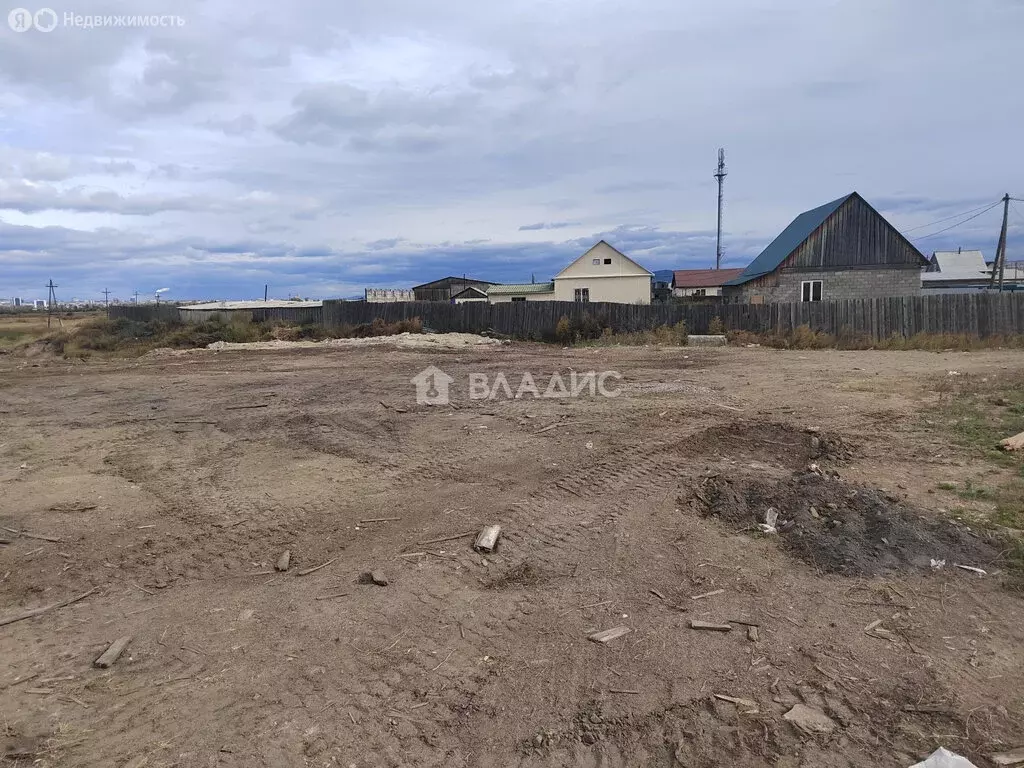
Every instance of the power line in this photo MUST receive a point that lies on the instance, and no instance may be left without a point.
(954, 226)
(955, 216)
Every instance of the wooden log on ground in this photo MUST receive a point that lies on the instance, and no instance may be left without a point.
(113, 652)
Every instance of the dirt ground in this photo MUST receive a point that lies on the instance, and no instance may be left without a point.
(172, 485)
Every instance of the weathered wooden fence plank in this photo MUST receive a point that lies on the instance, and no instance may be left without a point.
(980, 315)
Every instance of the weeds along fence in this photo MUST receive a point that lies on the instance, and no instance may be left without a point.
(978, 315)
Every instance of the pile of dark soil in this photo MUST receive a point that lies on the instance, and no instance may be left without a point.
(840, 528)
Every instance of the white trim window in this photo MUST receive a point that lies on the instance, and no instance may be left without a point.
(582, 295)
(810, 290)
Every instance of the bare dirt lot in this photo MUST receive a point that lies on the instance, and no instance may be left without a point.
(170, 487)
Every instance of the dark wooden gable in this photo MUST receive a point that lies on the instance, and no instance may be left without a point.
(855, 236)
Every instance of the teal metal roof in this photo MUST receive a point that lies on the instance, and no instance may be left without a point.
(500, 290)
(789, 239)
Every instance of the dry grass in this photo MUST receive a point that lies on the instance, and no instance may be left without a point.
(25, 327)
(101, 337)
(803, 337)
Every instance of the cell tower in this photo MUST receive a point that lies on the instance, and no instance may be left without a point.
(720, 175)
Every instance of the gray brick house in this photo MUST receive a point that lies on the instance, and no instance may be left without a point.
(841, 250)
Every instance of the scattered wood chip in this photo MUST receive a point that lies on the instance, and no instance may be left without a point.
(656, 593)
(607, 635)
(379, 520)
(753, 634)
(972, 569)
(748, 704)
(487, 539)
(710, 626)
(315, 568)
(72, 507)
(113, 652)
(744, 622)
(29, 535)
(283, 561)
(245, 407)
(331, 597)
(40, 691)
(708, 594)
(631, 691)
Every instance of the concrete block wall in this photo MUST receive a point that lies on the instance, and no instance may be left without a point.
(835, 285)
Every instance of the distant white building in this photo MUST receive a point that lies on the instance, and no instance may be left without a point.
(388, 295)
(957, 271)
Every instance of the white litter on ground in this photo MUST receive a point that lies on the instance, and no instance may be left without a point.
(418, 340)
(943, 758)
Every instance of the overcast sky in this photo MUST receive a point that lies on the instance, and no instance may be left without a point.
(324, 146)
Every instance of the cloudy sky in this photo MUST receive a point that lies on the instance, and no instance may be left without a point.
(323, 146)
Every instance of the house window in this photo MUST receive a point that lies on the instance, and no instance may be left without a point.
(518, 298)
(596, 261)
(810, 290)
(583, 295)
(699, 292)
(607, 261)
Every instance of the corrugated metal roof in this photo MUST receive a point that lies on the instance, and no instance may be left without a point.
(956, 265)
(502, 290)
(703, 278)
(778, 249)
(250, 304)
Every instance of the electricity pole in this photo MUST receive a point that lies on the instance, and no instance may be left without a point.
(136, 294)
(106, 298)
(51, 302)
(999, 265)
(720, 175)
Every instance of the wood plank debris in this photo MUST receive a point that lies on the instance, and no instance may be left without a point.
(453, 537)
(1013, 757)
(708, 594)
(283, 561)
(315, 568)
(379, 520)
(487, 539)
(113, 652)
(631, 691)
(29, 535)
(607, 635)
(710, 626)
(246, 407)
(331, 597)
(971, 569)
(549, 427)
(44, 609)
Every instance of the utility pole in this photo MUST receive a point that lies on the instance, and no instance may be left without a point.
(106, 298)
(136, 294)
(720, 175)
(51, 302)
(266, 288)
(999, 265)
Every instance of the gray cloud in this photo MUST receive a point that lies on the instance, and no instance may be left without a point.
(396, 139)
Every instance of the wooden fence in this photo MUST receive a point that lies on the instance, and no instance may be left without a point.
(980, 315)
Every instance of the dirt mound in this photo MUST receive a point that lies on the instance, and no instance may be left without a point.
(840, 528)
(783, 444)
